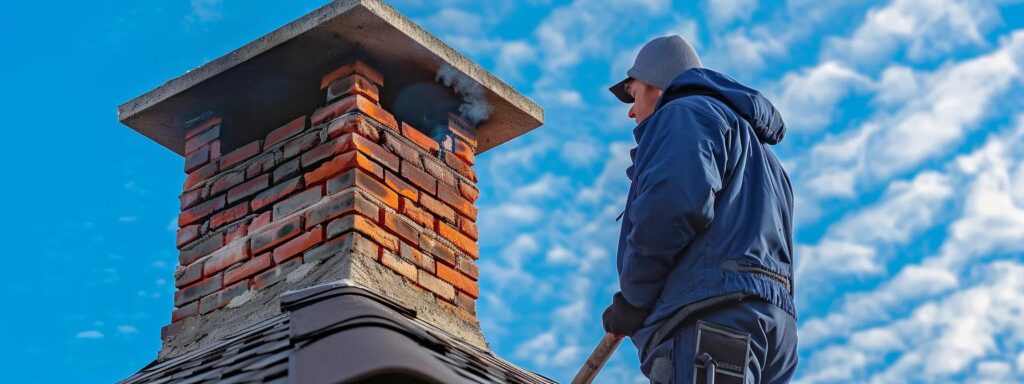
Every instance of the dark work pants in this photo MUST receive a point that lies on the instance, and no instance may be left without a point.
(771, 356)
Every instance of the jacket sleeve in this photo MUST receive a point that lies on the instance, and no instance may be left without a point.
(679, 166)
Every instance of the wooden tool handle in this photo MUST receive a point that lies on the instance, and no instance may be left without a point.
(597, 359)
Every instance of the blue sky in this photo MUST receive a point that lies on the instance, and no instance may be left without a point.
(906, 148)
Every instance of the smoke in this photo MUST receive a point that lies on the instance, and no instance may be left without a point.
(474, 107)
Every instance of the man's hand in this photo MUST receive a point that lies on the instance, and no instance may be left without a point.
(622, 318)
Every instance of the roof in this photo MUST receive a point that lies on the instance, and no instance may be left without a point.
(279, 74)
(338, 333)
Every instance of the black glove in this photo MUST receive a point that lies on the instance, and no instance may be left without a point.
(622, 318)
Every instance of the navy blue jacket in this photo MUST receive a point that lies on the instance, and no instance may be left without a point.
(709, 211)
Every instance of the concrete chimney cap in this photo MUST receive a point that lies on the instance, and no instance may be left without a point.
(275, 78)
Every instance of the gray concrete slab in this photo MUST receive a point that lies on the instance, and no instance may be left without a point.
(275, 78)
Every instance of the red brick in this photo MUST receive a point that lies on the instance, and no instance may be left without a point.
(398, 265)
(417, 137)
(225, 181)
(439, 170)
(198, 141)
(340, 204)
(197, 159)
(200, 211)
(219, 299)
(439, 209)
(195, 291)
(239, 155)
(356, 67)
(462, 129)
(459, 240)
(185, 312)
(352, 123)
(229, 215)
(248, 188)
(248, 269)
(401, 186)
(301, 145)
(463, 151)
(276, 193)
(190, 198)
(417, 214)
(215, 150)
(235, 232)
(354, 103)
(366, 183)
(460, 166)
(286, 170)
(202, 127)
(469, 191)
(350, 142)
(425, 182)
(409, 153)
(285, 131)
(366, 227)
(469, 228)
(275, 274)
(414, 255)
(436, 285)
(226, 257)
(253, 169)
(299, 201)
(460, 281)
(200, 249)
(440, 251)
(276, 233)
(352, 85)
(342, 163)
(260, 221)
(465, 302)
(348, 243)
(452, 197)
(187, 234)
(200, 174)
(296, 246)
(186, 275)
(467, 267)
(403, 229)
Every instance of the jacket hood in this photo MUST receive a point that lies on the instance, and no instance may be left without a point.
(748, 103)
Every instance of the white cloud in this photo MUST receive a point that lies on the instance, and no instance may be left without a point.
(807, 100)
(548, 185)
(205, 11)
(90, 334)
(723, 12)
(126, 329)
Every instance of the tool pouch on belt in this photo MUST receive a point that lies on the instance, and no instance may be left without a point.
(729, 349)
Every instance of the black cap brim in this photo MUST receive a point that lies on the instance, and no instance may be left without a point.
(619, 90)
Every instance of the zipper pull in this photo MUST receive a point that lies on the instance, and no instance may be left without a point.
(620, 215)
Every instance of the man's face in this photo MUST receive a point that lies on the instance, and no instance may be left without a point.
(646, 97)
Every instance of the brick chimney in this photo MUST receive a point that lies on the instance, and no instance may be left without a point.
(301, 174)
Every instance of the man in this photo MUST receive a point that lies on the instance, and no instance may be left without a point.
(705, 251)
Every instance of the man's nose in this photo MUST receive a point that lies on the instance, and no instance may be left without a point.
(632, 111)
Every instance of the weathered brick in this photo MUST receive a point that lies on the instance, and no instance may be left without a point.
(435, 167)
(241, 154)
(354, 103)
(286, 170)
(349, 242)
(276, 274)
(339, 204)
(353, 123)
(235, 232)
(438, 208)
(174, 329)
(398, 265)
(352, 85)
(365, 183)
(300, 145)
(275, 193)
(248, 188)
(187, 234)
(200, 174)
(465, 302)
(349, 142)
(463, 151)
(195, 291)
(197, 159)
(436, 285)
(440, 251)
(460, 166)
(462, 129)
(275, 233)
(400, 186)
(199, 140)
(201, 248)
(355, 67)
(190, 198)
(296, 246)
(458, 239)
(417, 214)
(299, 201)
(225, 257)
(188, 274)
(414, 255)
(229, 215)
(215, 150)
(225, 181)
(409, 153)
(254, 168)
(248, 269)
(469, 228)
(417, 137)
(290, 129)
(460, 281)
(185, 312)
(403, 229)
(366, 227)
(467, 267)
(260, 221)
(422, 180)
(200, 211)
(452, 197)
(201, 126)
(342, 163)
(219, 299)
(469, 191)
